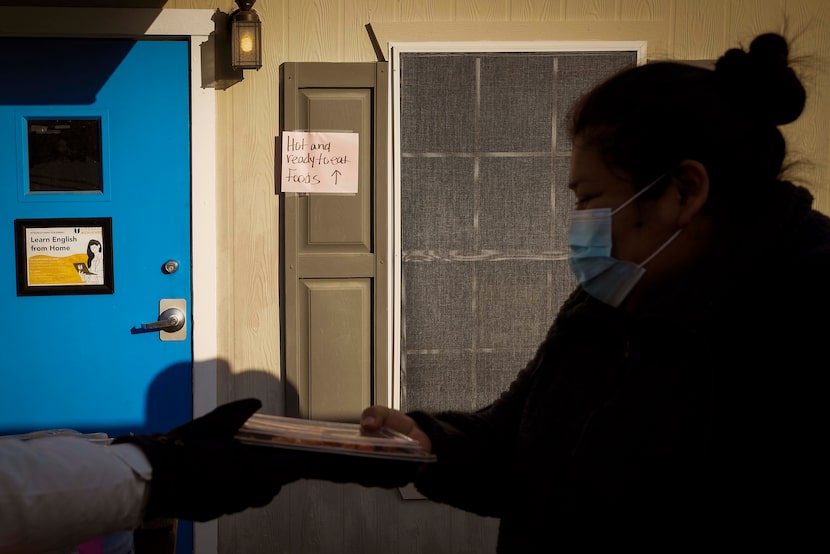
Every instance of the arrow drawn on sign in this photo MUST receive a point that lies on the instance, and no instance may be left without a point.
(336, 174)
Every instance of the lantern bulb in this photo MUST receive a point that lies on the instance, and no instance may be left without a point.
(246, 44)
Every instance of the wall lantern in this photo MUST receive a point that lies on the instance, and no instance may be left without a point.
(246, 37)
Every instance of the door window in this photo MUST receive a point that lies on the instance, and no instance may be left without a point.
(64, 155)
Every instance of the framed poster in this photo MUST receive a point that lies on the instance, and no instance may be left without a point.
(63, 256)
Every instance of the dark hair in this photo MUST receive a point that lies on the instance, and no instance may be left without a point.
(90, 255)
(647, 119)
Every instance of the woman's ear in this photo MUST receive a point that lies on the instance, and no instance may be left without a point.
(690, 182)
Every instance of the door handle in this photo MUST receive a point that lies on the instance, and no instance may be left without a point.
(169, 321)
(172, 321)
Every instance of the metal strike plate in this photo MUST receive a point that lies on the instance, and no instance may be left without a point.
(178, 303)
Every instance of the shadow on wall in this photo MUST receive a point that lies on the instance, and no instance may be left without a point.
(251, 383)
(163, 405)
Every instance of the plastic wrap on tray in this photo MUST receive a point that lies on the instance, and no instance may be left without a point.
(330, 436)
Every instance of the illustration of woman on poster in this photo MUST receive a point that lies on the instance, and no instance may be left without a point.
(94, 263)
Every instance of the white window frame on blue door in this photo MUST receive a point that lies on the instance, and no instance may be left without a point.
(197, 25)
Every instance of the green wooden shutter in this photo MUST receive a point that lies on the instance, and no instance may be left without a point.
(335, 249)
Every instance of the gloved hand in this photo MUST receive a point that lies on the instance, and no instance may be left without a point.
(201, 472)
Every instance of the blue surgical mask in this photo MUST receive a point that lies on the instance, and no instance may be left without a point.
(589, 240)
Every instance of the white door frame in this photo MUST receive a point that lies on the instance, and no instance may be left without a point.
(197, 25)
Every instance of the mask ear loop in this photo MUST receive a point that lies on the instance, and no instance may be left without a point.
(639, 193)
(665, 244)
(632, 199)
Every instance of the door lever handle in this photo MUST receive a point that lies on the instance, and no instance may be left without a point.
(169, 321)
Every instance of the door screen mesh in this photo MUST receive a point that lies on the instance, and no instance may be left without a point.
(484, 204)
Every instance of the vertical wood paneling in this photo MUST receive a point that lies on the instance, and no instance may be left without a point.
(315, 30)
(427, 10)
(748, 18)
(360, 519)
(196, 4)
(699, 29)
(258, 530)
(471, 534)
(536, 10)
(247, 227)
(807, 135)
(316, 518)
(225, 273)
(576, 10)
(645, 10)
(357, 13)
(424, 527)
(256, 319)
(808, 23)
(481, 10)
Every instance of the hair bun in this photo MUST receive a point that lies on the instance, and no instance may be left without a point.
(762, 81)
(770, 49)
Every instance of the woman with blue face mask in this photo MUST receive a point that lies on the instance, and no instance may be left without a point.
(603, 276)
(678, 395)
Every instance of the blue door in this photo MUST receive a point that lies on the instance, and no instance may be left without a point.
(95, 234)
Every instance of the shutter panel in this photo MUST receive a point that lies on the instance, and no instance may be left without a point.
(335, 249)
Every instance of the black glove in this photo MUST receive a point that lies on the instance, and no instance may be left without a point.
(201, 472)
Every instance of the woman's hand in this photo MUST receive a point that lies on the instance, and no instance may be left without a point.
(375, 417)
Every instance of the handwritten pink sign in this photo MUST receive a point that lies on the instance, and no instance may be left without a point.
(319, 162)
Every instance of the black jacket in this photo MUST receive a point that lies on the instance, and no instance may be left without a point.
(702, 414)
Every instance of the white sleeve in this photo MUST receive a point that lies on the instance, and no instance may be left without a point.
(61, 491)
